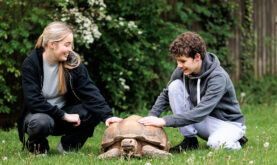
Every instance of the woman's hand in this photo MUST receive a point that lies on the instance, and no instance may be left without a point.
(72, 118)
(153, 121)
(113, 120)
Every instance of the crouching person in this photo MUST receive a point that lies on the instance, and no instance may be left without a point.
(59, 96)
(202, 98)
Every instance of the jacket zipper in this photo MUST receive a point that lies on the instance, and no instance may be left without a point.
(70, 78)
(41, 82)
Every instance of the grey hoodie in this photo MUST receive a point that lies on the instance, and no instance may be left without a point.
(213, 96)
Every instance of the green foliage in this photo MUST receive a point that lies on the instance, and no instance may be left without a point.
(20, 21)
(260, 91)
(247, 43)
(131, 68)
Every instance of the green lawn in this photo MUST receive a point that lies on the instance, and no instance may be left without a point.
(261, 128)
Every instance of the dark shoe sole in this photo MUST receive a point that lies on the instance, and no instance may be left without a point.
(243, 141)
(175, 150)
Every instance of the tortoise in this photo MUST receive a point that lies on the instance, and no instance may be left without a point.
(132, 139)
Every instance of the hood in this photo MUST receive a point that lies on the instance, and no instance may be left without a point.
(209, 63)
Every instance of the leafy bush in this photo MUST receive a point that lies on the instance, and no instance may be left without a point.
(132, 66)
(259, 91)
(20, 22)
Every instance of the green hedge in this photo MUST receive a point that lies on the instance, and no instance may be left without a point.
(21, 22)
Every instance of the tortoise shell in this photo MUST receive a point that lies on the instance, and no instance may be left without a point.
(130, 128)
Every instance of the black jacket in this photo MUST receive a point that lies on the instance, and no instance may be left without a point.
(80, 90)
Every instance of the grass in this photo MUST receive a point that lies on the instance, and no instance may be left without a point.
(261, 130)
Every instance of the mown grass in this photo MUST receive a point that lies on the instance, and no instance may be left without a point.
(261, 129)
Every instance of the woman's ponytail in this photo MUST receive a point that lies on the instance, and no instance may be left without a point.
(61, 77)
(39, 42)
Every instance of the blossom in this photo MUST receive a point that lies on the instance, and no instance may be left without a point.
(5, 158)
(210, 154)
(108, 18)
(251, 162)
(132, 24)
(95, 31)
(121, 23)
(3, 141)
(242, 94)
(91, 2)
(147, 163)
(126, 87)
(122, 81)
(266, 144)
(85, 21)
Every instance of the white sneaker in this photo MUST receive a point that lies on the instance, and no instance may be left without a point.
(60, 148)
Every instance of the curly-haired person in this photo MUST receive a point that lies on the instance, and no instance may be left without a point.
(202, 98)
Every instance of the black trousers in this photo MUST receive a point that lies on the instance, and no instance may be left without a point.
(40, 125)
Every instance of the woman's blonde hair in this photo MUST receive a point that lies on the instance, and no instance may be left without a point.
(56, 32)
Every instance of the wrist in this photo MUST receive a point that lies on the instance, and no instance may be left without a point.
(164, 122)
(64, 116)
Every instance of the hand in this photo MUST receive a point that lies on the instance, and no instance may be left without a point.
(72, 118)
(153, 121)
(113, 120)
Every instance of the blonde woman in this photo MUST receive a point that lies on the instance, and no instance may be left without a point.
(59, 96)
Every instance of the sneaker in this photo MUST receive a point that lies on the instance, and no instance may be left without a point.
(187, 144)
(243, 141)
(61, 149)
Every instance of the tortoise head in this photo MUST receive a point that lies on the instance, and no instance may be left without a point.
(129, 147)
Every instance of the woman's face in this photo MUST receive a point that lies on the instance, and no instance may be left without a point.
(62, 48)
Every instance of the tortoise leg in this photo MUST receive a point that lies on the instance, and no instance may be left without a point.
(112, 153)
(154, 152)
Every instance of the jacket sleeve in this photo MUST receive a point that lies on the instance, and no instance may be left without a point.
(33, 98)
(90, 96)
(161, 104)
(215, 90)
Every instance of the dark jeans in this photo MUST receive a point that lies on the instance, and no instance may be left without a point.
(40, 125)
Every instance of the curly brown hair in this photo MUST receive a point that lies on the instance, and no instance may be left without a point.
(188, 44)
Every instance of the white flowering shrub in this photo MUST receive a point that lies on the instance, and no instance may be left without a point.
(89, 21)
(85, 20)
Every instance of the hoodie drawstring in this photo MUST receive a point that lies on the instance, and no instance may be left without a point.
(198, 91)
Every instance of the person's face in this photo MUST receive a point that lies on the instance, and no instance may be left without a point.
(62, 48)
(189, 65)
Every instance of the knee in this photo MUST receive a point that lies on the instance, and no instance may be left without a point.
(39, 125)
(215, 142)
(175, 86)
